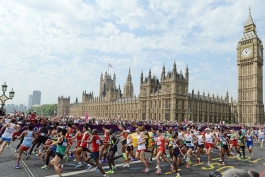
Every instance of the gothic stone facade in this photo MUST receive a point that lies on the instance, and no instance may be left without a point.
(167, 98)
(162, 99)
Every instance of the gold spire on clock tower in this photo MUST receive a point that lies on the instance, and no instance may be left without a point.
(250, 75)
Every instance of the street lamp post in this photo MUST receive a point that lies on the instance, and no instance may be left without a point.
(3, 97)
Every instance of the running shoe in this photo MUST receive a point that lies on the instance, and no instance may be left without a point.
(150, 161)
(158, 171)
(97, 170)
(16, 166)
(78, 165)
(110, 172)
(238, 156)
(178, 175)
(251, 155)
(66, 158)
(40, 153)
(61, 167)
(124, 156)
(7, 146)
(157, 167)
(171, 168)
(208, 164)
(223, 164)
(114, 168)
(146, 170)
(15, 150)
(74, 160)
(134, 159)
(88, 167)
(27, 157)
(44, 166)
(105, 175)
(104, 161)
(198, 160)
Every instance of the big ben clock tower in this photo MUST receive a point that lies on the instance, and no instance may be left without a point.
(250, 75)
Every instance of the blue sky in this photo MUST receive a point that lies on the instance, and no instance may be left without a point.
(61, 47)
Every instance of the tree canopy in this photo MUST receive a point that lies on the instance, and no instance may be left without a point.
(46, 109)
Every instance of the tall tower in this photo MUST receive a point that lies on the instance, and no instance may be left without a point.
(128, 87)
(250, 75)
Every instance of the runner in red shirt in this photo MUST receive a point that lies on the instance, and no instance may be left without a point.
(95, 144)
(68, 136)
(105, 145)
(160, 141)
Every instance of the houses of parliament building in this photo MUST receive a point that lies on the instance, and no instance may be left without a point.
(167, 97)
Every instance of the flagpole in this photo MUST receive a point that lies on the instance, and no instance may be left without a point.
(108, 69)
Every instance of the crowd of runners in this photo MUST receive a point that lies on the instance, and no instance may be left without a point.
(184, 146)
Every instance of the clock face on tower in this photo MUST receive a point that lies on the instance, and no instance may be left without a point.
(246, 52)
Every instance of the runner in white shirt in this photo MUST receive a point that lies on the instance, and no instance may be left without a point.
(10, 128)
(200, 145)
(209, 137)
(141, 149)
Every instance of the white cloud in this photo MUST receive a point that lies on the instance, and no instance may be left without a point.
(61, 47)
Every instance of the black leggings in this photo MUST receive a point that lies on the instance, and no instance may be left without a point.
(49, 154)
(111, 158)
(20, 142)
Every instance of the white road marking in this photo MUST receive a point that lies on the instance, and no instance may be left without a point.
(22, 162)
(91, 170)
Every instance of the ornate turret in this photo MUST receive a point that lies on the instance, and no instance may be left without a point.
(174, 68)
(163, 73)
(128, 87)
(149, 76)
(187, 74)
(141, 78)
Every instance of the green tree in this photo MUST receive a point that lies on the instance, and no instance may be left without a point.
(46, 109)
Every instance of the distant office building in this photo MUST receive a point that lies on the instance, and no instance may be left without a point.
(36, 97)
(30, 101)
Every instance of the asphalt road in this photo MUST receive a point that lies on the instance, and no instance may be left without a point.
(32, 167)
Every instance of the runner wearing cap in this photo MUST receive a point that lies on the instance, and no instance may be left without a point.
(141, 149)
(189, 137)
(209, 137)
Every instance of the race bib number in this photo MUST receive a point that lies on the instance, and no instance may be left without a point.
(64, 144)
(158, 143)
(29, 138)
(42, 134)
(98, 142)
(9, 130)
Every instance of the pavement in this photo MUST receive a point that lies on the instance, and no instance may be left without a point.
(32, 167)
